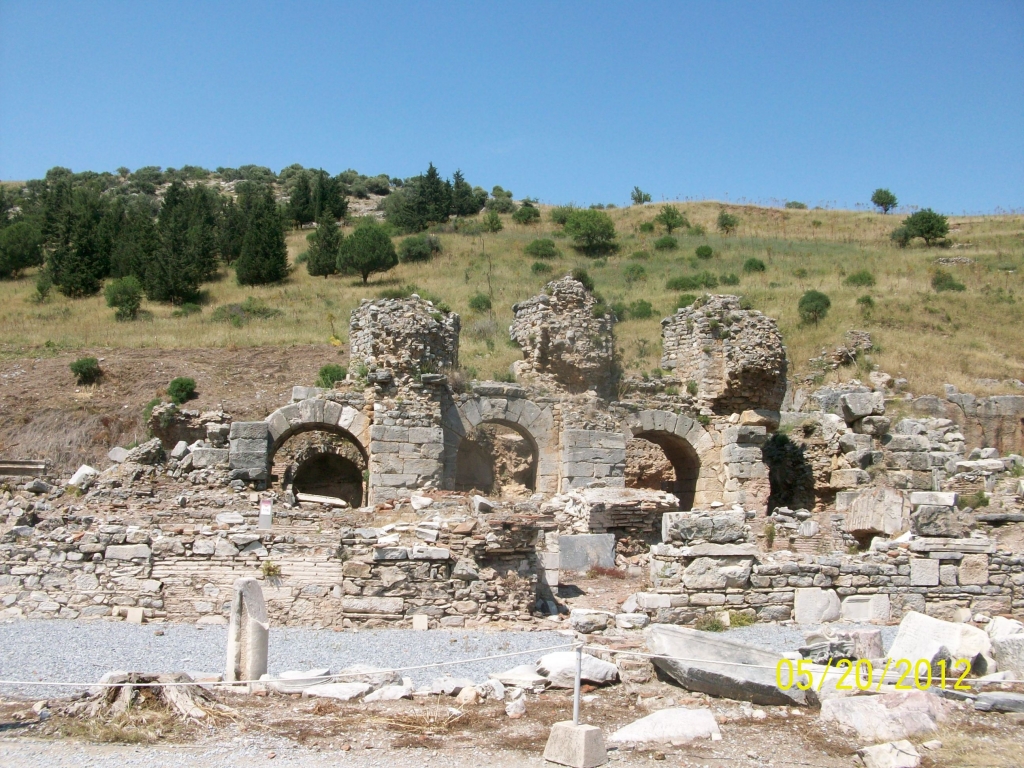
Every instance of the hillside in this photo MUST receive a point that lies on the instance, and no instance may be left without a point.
(972, 339)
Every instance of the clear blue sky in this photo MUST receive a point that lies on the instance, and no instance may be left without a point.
(566, 101)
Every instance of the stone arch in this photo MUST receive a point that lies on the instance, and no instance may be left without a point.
(534, 422)
(326, 416)
(687, 446)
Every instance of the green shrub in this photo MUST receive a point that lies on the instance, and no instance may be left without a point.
(634, 273)
(754, 265)
(901, 236)
(800, 273)
(737, 619)
(685, 300)
(692, 388)
(727, 222)
(581, 275)
(646, 227)
(419, 248)
(639, 310)
(729, 278)
(666, 243)
(709, 623)
(124, 296)
(87, 370)
(492, 222)
(692, 282)
(592, 232)
(560, 213)
(240, 314)
(862, 278)
(698, 230)
(527, 214)
(926, 224)
(670, 218)
(540, 268)
(793, 204)
(44, 283)
(813, 306)
(944, 281)
(704, 252)
(480, 302)
(640, 255)
(639, 197)
(865, 303)
(21, 246)
(187, 309)
(181, 390)
(329, 374)
(543, 248)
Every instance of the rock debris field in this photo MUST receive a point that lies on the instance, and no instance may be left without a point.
(81, 651)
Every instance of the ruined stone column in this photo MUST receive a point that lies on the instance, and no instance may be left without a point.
(248, 632)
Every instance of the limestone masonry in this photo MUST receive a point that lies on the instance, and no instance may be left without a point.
(715, 488)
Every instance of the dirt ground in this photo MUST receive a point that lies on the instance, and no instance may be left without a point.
(410, 732)
(45, 415)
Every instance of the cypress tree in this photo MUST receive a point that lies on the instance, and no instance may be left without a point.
(264, 255)
(434, 198)
(328, 195)
(187, 252)
(464, 201)
(300, 204)
(324, 247)
(79, 256)
(135, 243)
(230, 230)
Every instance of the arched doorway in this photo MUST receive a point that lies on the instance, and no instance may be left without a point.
(497, 458)
(322, 462)
(663, 461)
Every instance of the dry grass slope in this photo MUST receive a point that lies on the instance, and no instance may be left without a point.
(930, 338)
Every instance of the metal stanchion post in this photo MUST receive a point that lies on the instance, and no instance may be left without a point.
(576, 686)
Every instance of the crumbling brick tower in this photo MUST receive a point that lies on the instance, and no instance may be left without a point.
(734, 356)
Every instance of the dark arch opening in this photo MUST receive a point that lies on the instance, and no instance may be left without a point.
(497, 458)
(330, 474)
(675, 468)
(321, 461)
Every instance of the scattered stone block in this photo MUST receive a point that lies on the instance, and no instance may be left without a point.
(582, 552)
(709, 663)
(925, 637)
(576, 746)
(631, 620)
(933, 498)
(886, 717)
(294, 681)
(559, 668)
(893, 754)
(813, 605)
(586, 621)
(117, 454)
(523, 676)
(677, 725)
(1008, 652)
(857, 405)
(420, 622)
(134, 615)
(999, 701)
(1001, 627)
(84, 477)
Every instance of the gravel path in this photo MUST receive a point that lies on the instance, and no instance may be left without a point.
(81, 651)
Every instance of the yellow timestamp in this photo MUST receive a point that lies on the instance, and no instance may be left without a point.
(861, 675)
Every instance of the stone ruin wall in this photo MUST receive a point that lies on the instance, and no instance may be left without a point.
(456, 560)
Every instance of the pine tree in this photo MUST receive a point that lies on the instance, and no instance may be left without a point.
(135, 243)
(367, 250)
(328, 195)
(324, 247)
(230, 231)
(264, 256)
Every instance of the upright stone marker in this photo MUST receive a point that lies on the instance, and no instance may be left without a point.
(266, 518)
(248, 633)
